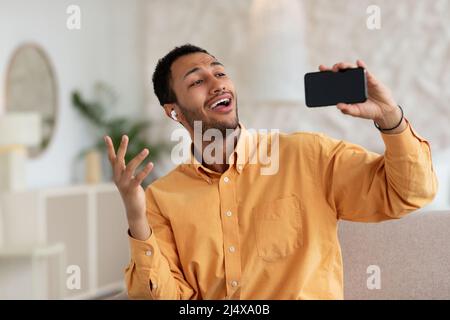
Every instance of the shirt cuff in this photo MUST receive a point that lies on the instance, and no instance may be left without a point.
(404, 143)
(145, 253)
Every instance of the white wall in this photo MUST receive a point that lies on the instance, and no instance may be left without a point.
(107, 48)
(410, 53)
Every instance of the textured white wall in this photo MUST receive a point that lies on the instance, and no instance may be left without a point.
(410, 53)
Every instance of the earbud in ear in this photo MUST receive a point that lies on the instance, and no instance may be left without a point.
(174, 115)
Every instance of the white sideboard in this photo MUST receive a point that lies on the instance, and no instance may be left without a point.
(43, 232)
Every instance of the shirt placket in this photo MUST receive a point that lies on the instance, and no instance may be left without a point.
(230, 227)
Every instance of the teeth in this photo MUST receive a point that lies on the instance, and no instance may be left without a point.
(215, 104)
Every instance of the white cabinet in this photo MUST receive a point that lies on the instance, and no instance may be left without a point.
(87, 226)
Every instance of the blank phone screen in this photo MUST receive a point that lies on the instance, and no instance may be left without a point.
(328, 88)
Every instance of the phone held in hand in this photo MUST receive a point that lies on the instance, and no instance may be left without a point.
(328, 88)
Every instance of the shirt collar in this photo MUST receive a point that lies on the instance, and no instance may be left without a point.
(239, 158)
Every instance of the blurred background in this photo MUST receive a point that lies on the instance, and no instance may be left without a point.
(73, 71)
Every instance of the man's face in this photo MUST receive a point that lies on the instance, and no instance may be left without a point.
(200, 82)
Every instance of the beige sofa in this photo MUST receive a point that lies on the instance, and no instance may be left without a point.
(412, 256)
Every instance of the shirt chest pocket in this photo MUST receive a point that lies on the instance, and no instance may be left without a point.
(278, 228)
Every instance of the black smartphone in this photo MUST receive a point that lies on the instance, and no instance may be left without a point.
(328, 88)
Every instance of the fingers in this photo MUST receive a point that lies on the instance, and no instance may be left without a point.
(124, 174)
(361, 64)
(338, 66)
(110, 149)
(119, 165)
(133, 164)
(370, 77)
(324, 68)
(342, 107)
(112, 158)
(342, 65)
(143, 174)
(122, 149)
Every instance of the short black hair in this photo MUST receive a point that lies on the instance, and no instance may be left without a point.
(162, 75)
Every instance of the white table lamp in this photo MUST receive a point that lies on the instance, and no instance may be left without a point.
(18, 130)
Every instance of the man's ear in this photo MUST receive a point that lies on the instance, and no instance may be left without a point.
(168, 107)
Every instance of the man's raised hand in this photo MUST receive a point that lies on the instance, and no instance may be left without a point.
(129, 185)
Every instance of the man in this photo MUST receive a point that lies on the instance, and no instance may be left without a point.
(223, 230)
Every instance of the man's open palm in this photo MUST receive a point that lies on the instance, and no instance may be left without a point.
(128, 183)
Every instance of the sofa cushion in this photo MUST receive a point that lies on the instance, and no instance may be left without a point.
(412, 254)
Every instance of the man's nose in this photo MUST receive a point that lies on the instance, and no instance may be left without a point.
(217, 86)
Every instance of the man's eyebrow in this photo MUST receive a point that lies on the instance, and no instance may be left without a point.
(214, 63)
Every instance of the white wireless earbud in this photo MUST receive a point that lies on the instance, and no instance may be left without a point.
(174, 115)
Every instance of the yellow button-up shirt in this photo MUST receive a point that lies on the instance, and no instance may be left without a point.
(245, 234)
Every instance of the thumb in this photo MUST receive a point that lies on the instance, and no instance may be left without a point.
(349, 109)
(370, 77)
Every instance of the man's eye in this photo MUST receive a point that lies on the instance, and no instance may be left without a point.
(221, 74)
(196, 82)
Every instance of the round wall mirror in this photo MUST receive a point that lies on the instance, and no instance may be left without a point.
(31, 87)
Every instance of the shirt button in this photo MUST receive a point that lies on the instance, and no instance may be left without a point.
(234, 283)
(232, 249)
(240, 167)
(226, 179)
(229, 213)
(148, 253)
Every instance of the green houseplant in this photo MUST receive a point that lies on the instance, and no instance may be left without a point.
(95, 112)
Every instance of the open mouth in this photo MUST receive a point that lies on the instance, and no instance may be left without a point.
(223, 104)
(220, 103)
